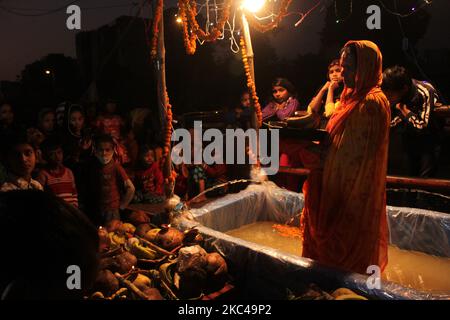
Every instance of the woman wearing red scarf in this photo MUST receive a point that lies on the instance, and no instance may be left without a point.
(344, 219)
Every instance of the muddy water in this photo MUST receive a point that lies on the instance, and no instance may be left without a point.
(409, 268)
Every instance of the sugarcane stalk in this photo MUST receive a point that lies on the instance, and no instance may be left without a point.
(131, 286)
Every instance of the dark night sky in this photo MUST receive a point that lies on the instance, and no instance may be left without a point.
(26, 39)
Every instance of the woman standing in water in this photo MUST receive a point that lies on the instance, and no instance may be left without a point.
(344, 220)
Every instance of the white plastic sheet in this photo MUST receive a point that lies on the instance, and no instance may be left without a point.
(267, 272)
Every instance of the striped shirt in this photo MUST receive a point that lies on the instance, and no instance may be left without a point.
(421, 101)
(60, 182)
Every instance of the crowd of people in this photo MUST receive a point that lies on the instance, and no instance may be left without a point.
(416, 134)
(98, 164)
(77, 155)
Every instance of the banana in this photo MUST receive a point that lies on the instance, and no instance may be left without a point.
(342, 291)
(143, 252)
(350, 297)
(152, 234)
(116, 240)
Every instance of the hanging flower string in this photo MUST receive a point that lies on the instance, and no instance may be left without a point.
(261, 27)
(250, 83)
(170, 179)
(192, 30)
(189, 39)
(155, 29)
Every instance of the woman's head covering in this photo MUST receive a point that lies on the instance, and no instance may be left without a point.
(369, 69)
(368, 77)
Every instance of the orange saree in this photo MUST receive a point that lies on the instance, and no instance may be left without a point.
(344, 220)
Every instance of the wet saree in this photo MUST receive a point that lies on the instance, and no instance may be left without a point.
(344, 220)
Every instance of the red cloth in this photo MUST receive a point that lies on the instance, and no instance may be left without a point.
(150, 180)
(110, 125)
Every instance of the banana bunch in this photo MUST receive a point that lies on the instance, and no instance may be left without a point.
(142, 252)
(116, 239)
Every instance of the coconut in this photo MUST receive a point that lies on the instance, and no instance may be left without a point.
(216, 264)
(217, 270)
(106, 282)
(191, 269)
(169, 238)
(125, 261)
(142, 282)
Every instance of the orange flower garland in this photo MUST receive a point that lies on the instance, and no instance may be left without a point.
(188, 13)
(189, 40)
(267, 27)
(250, 83)
(155, 29)
(168, 134)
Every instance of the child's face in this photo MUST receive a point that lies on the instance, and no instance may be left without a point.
(77, 121)
(335, 73)
(55, 157)
(280, 94)
(149, 157)
(245, 100)
(22, 160)
(104, 152)
(6, 114)
(48, 122)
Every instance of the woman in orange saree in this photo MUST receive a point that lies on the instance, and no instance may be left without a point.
(344, 220)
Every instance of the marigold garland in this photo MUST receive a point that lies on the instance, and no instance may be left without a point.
(168, 134)
(188, 13)
(267, 27)
(155, 29)
(189, 39)
(250, 83)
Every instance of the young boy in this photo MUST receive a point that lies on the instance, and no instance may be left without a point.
(413, 122)
(108, 187)
(55, 177)
(148, 177)
(20, 160)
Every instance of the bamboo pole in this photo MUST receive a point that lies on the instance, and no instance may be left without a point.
(410, 182)
(160, 68)
(250, 59)
(442, 111)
